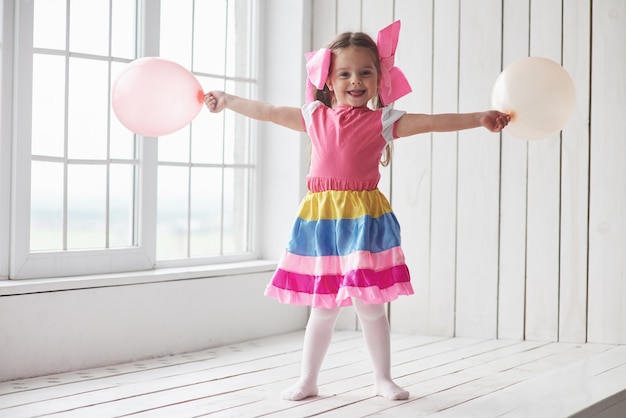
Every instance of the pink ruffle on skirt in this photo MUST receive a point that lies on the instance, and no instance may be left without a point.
(337, 290)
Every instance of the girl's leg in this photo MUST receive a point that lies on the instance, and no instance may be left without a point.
(317, 336)
(376, 333)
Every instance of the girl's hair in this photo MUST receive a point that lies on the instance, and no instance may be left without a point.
(363, 40)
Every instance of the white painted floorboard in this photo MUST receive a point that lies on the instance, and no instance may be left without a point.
(447, 377)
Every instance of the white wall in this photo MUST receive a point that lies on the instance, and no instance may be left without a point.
(507, 238)
(51, 332)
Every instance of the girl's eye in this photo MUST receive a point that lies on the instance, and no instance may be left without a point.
(366, 73)
(344, 74)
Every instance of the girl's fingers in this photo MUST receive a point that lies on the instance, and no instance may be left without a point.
(209, 101)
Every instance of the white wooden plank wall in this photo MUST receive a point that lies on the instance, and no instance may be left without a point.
(443, 170)
(542, 227)
(478, 177)
(607, 211)
(575, 177)
(513, 190)
(506, 238)
(414, 57)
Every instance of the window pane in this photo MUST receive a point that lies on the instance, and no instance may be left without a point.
(86, 206)
(89, 26)
(220, 27)
(121, 205)
(176, 27)
(207, 140)
(175, 147)
(235, 210)
(210, 39)
(122, 140)
(237, 131)
(206, 211)
(172, 198)
(49, 24)
(123, 39)
(87, 113)
(237, 141)
(46, 210)
(208, 130)
(48, 124)
(238, 38)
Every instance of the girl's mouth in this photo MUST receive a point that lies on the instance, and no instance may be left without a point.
(356, 93)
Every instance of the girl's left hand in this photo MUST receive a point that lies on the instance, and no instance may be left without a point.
(215, 101)
(495, 121)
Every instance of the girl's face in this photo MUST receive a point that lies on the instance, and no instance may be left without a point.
(353, 77)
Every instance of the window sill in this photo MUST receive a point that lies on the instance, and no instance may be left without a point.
(22, 287)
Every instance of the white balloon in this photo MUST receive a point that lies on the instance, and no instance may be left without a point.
(539, 95)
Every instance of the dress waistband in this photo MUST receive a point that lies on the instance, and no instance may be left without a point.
(322, 184)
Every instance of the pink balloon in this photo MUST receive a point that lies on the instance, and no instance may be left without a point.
(155, 97)
(538, 93)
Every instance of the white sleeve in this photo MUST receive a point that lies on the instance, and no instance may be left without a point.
(389, 117)
(307, 112)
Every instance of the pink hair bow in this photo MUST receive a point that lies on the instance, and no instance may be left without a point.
(317, 66)
(393, 82)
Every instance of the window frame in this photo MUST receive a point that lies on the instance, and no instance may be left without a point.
(20, 262)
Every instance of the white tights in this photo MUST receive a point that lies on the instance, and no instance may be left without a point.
(317, 338)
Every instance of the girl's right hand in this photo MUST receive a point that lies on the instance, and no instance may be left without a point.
(215, 101)
(495, 121)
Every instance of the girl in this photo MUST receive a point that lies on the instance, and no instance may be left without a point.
(345, 245)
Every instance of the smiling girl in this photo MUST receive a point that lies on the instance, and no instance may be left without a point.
(345, 245)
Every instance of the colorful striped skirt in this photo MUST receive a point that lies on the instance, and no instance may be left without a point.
(344, 244)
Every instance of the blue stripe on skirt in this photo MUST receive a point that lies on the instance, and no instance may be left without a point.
(344, 236)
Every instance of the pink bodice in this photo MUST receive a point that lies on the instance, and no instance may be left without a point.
(347, 143)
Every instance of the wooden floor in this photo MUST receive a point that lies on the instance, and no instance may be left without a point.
(447, 377)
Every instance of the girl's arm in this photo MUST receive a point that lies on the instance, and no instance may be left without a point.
(290, 117)
(411, 124)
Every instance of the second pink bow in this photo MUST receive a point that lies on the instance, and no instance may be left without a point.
(393, 83)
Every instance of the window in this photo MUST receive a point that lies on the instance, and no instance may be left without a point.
(93, 197)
